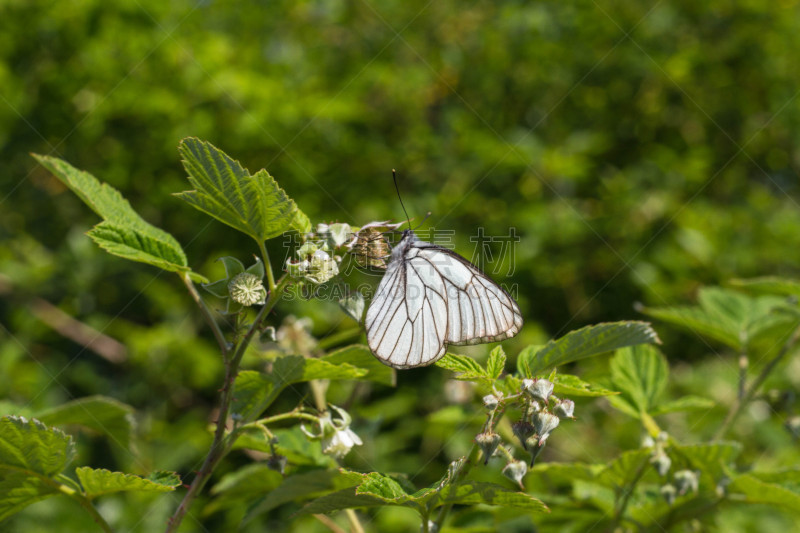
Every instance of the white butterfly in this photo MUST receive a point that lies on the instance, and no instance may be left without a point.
(431, 297)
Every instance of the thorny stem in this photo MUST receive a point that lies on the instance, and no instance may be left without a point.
(219, 448)
(737, 407)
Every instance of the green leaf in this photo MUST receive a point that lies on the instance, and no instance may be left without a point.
(243, 486)
(253, 204)
(475, 492)
(496, 363)
(30, 455)
(466, 368)
(302, 486)
(623, 470)
(710, 458)
(685, 403)
(292, 443)
(585, 342)
(98, 413)
(757, 491)
(728, 316)
(640, 373)
(770, 285)
(569, 385)
(97, 482)
(254, 391)
(123, 231)
(361, 357)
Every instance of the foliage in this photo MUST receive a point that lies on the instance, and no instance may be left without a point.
(641, 153)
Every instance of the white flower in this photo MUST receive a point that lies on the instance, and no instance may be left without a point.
(247, 289)
(539, 389)
(336, 437)
(340, 442)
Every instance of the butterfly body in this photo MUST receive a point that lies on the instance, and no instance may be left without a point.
(431, 297)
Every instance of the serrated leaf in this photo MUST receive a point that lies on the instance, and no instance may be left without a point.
(496, 363)
(640, 373)
(770, 285)
(475, 492)
(98, 413)
(360, 356)
(711, 458)
(586, 342)
(569, 385)
(562, 474)
(255, 391)
(466, 368)
(253, 204)
(302, 486)
(97, 482)
(728, 316)
(292, 443)
(134, 245)
(243, 486)
(788, 478)
(124, 232)
(623, 470)
(685, 403)
(757, 491)
(30, 455)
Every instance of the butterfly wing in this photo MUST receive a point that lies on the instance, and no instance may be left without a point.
(430, 297)
(478, 309)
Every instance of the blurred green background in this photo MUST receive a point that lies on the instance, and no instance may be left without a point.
(640, 149)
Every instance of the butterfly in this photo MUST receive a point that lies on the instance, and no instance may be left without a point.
(431, 297)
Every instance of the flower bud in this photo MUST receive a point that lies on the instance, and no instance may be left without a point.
(247, 289)
(648, 441)
(535, 446)
(685, 481)
(277, 462)
(488, 443)
(515, 471)
(490, 401)
(669, 493)
(522, 430)
(564, 409)
(662, 462)
(539, 389)
(544, 423)
(722, 486)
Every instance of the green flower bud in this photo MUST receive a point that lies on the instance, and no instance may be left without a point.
(686, 481)
(544, 423)
(669, 493)
(539, 389)
(662, 462)
(488, 443)
(522, 430)
(247, 289)
(535, 446)
(490, 401)
(515, 471)
(564, 408)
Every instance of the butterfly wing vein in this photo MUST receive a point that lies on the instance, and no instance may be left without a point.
(433, 297)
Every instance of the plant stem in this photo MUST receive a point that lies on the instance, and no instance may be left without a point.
(744, 362)
(219, 448)
(86, 504)
(212, 323)
(355, 523)
(619, 512)
(267, 266)
(737, 407)
(472, 456)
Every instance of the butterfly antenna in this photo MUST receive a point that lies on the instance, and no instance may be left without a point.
(423, 220)
(394, 177)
